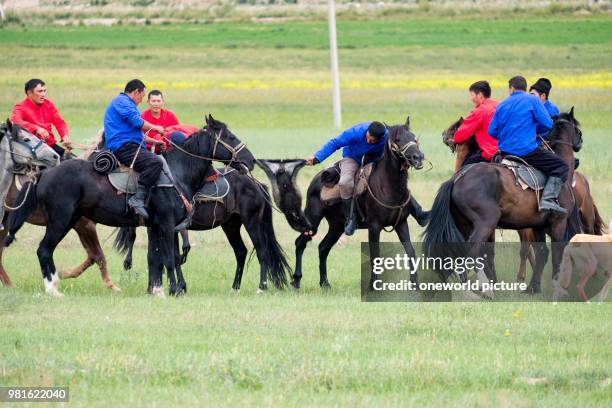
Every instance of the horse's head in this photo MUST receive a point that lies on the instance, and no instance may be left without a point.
(227, 147)
(566, 130)
(448, 136)
(404, 146)
(26, 148)
(283, 178)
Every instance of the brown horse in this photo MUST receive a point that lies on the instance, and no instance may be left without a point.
(470, 207)
(591, 221)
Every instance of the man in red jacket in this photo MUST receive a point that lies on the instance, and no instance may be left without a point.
(37, 114)
(477, 124)
(157, 115)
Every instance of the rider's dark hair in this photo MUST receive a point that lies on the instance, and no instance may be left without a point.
(518, 82)
(376, 130)
(155, 92)
(481, 87)
(33, 83)
(134, 85)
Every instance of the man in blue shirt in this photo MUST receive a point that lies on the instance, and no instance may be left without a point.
(366, 138)
(541, 89)
(123, 128)
(515, 124)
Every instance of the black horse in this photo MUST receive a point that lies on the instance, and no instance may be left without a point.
(74, 189)
(470, 207)
(248, 204)
(387, 202)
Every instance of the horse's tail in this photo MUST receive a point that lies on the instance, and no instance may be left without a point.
(574, 223)
(273, 258)
(122, 240)
(442, 229)
(600, 227)
(29, 201)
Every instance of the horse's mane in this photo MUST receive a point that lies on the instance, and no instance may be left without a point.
(213, 125)
(97, 143)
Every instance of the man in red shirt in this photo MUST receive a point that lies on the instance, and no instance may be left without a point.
(157, 115)
(36, 113)
(477, 124)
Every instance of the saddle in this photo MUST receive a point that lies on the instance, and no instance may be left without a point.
(217, 187)
(330, 193)
(125, 180)
(525, 176)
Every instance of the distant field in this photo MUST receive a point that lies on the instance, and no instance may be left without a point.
(270, 83)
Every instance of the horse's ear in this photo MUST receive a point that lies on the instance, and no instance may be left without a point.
(408, 120)
(9, 125)
(461, 120)
(571, 113)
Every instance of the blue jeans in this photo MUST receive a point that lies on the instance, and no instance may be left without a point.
(177, 137)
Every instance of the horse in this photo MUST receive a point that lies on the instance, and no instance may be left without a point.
(74, 189)
(469, 208)
(248, 204)
(591, 221)
(85, 229)
(387, 203)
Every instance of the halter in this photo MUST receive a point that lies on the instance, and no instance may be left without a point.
(400, 152)
(33, 149)
(234, 150)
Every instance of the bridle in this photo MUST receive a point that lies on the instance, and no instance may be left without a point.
(234, 150)
(32, 149)
(400, 152)
(574, 146)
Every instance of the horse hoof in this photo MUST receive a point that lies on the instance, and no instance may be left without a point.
(295, 284)
(127, 266)
(325, 285)
(260, 291)
(532, 290)
(158, 292)
(235, 290)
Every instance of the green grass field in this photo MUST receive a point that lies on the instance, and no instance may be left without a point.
(270, 83)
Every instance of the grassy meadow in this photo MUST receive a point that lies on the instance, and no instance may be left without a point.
(270, 83)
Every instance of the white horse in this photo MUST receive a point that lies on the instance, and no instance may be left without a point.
(20, 148)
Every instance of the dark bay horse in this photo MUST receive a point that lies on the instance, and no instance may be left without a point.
(385, 204)
(471, 207)
(591, 221)
(74, 190)
(248, 204)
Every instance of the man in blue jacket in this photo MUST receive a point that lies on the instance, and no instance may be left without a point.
(366, 138)
(541, 89)
(123, 128)
(515, 124)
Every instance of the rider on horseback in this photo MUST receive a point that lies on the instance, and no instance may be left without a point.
(477, 124)
(366, 138)
(541, 89)
(515, 124)
(37, 114)
(123, 128)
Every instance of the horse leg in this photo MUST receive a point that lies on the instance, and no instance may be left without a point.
(127, 262)
(403, 234)
(374, 244)
(186, 246)
(4, 278)
(541, 257)
(232, 232)
(336, 230)
(181, 286)
(481, 235)
(253, 229)
(56, 230)
(88, 236)
(314, 214)
(155, 266)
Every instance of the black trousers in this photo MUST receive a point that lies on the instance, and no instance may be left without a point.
(147, 164)
(474, 158)
(547, 162)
